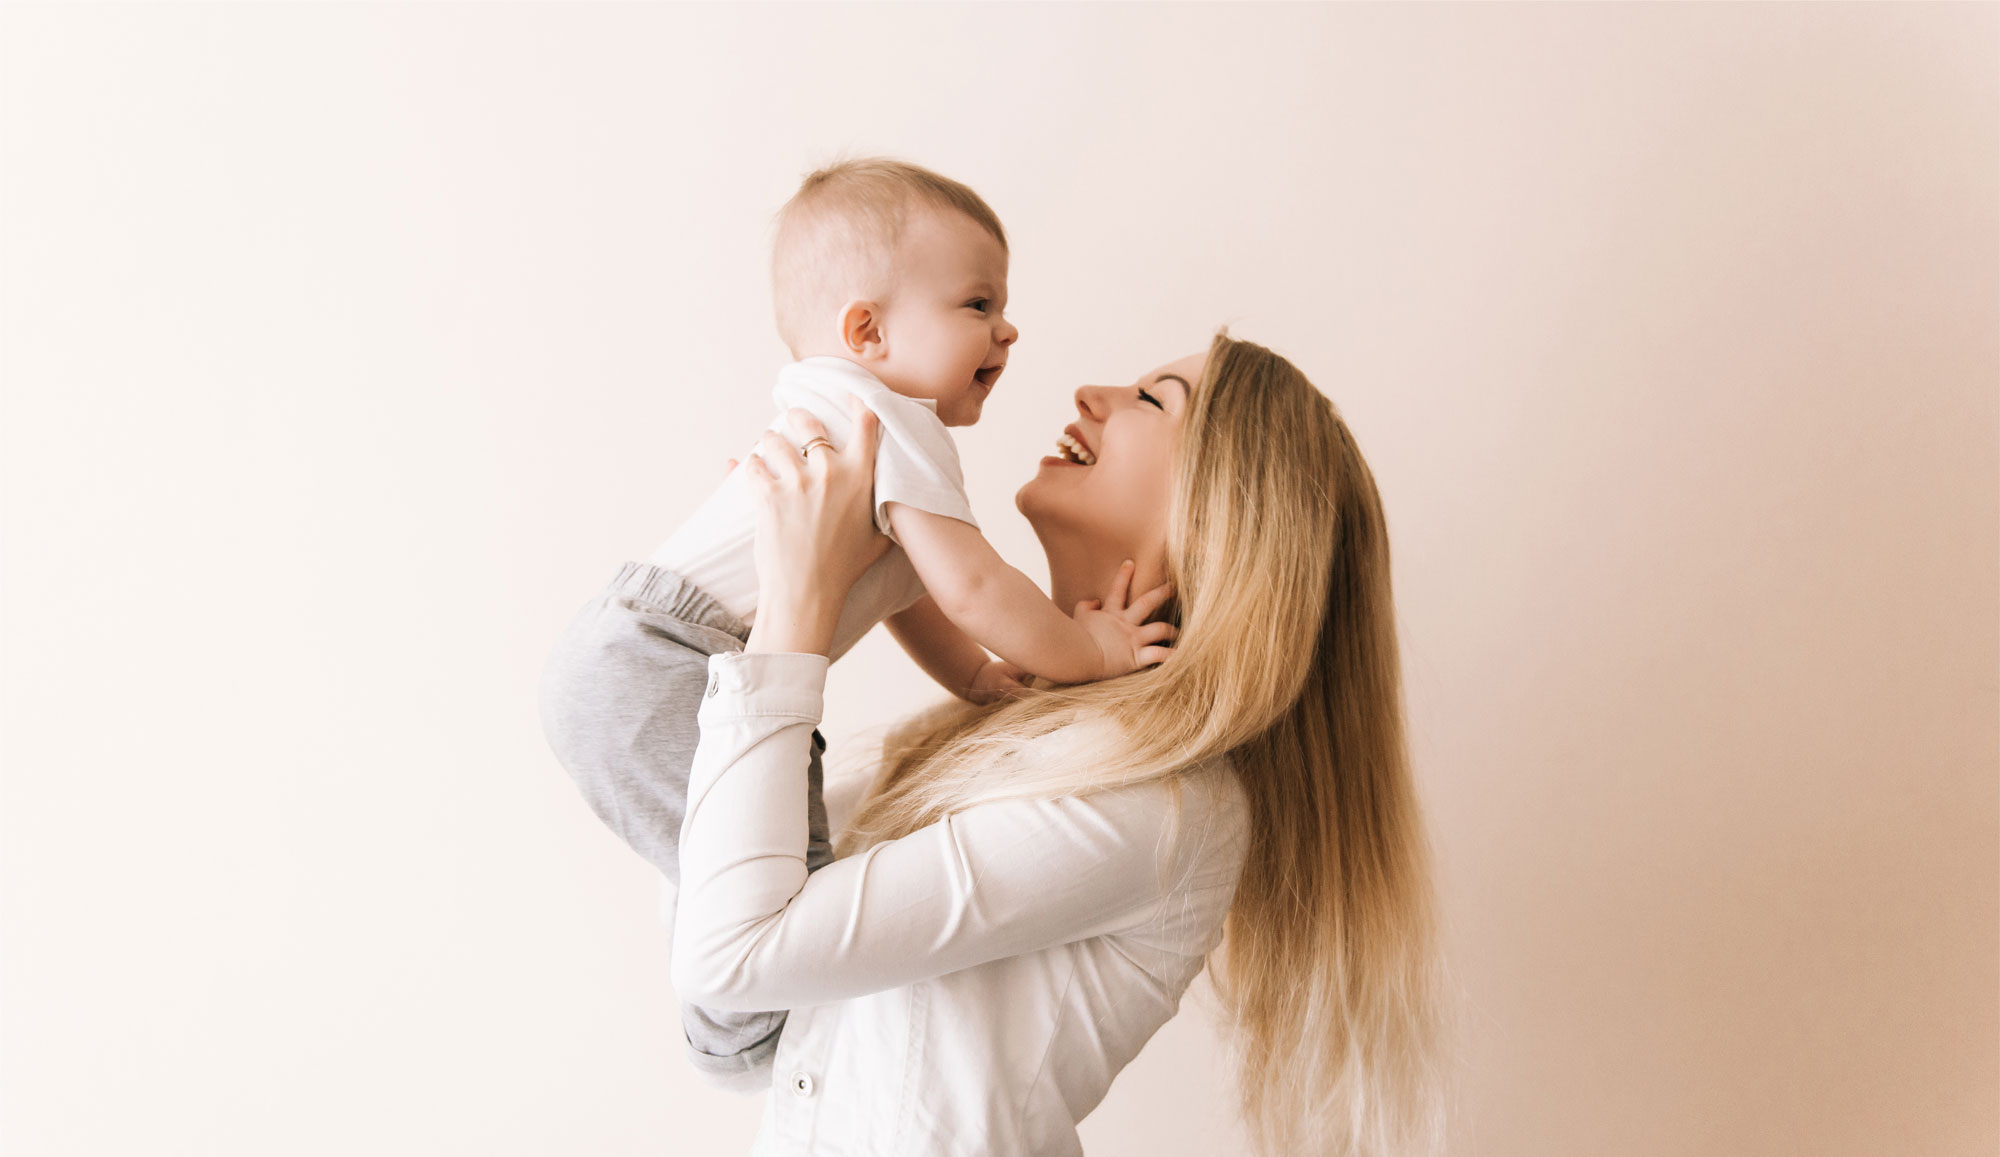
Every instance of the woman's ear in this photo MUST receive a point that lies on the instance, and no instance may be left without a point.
(861, 332)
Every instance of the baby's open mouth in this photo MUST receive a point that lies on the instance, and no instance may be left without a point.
(986, 377)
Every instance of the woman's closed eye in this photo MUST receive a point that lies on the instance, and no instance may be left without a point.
(1146, 397)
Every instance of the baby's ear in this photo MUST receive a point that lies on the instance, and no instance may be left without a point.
(861, 332)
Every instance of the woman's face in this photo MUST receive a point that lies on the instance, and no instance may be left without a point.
(1109, 485)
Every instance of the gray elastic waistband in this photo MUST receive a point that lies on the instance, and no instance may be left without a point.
(671, 593)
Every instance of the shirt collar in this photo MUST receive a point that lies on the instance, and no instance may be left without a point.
(862, 382)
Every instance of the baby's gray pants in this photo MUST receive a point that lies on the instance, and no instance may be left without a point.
(618, 703)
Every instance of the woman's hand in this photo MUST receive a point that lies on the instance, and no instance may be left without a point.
(815, 529)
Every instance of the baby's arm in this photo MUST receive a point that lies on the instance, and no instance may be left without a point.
(1004, 611)
(949, 655)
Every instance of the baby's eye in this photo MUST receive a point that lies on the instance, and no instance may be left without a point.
(978, 303)
(1146, 397)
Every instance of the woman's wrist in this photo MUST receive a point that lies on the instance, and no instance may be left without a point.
(799, 620)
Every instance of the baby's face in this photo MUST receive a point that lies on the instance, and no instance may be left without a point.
(945, 329)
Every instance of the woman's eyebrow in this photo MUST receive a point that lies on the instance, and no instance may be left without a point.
(1187, 390)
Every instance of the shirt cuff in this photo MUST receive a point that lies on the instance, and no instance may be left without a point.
(764, 683)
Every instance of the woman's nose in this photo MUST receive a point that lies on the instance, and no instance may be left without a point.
(1096, 401)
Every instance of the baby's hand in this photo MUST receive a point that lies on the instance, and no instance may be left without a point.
(995, 680)
(1123, 636)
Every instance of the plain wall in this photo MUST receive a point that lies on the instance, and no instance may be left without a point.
(349, 349)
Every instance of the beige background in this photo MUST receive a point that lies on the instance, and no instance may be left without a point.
(348, 350)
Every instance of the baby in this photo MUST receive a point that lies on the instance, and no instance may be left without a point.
(890, 283)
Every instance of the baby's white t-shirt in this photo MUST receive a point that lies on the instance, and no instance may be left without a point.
(917, 465)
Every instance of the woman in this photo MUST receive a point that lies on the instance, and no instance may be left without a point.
(1028, 888)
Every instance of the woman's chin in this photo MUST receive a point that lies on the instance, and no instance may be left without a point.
(1051, 495)
(1032, 499)
(1021, 496)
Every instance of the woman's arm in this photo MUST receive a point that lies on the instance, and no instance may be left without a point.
(997, 880)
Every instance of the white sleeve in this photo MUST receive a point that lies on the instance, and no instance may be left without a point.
(917, 465)
(753, 931)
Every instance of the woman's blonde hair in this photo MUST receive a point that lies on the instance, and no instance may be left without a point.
(1287, 664)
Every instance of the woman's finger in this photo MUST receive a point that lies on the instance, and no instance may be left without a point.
(806, 429)
(760, 474)
(1142, 608)
(867, 432)
(780, 459)
(727, 466)
(805, 425)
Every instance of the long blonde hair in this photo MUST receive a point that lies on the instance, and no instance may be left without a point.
(1287, 664)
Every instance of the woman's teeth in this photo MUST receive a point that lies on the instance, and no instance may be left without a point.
(1075, 451)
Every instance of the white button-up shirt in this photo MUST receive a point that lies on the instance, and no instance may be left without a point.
(971, 988)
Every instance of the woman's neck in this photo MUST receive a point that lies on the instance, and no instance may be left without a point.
(1083, 570)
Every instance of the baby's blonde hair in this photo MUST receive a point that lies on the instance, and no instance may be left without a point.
(836, 238)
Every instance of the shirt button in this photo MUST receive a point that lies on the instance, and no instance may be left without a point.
(714, 681)
(802, 1084)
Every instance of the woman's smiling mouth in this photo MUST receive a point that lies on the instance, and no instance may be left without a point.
(1072, 448)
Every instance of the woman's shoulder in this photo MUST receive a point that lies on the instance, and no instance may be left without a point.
(1213, 797)
(1210, 784)
(1199, 810)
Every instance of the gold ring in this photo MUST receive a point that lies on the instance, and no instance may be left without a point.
(806, 450)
